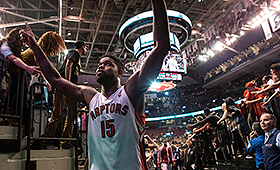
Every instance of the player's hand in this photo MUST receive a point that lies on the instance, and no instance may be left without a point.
(27, 36)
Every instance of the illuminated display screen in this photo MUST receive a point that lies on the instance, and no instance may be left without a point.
(172, 63)
(136, 46)
(144, 42)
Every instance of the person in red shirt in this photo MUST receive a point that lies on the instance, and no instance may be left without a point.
(165, 156)
(254, 101)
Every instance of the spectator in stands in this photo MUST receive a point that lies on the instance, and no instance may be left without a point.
(254, 102)
(192, 159)
(150, 159)
(10, 52)
(10, 48)
(165, 156)
(211, 118)
(177, 156)
(267, 80)
(275, 70)
(237, 124)
(70, 71)
(51, 43)
(271, 145)
(268, 97)
(255, 145)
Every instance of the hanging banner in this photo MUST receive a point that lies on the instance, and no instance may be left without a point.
(194, 50)
(189, 57)
(212, 34)
(275, 22)
(220, 26)
(266, 3)
(250, 9)
(185, 61)
(239, 16)
(207, 38)
(231, 23)
(266, 30)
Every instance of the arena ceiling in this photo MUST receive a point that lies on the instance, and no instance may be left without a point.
(97, 22)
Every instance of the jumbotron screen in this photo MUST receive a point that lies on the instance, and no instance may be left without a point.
(172, 63)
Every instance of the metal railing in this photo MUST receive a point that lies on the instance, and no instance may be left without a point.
(14, 108)
(40, 138)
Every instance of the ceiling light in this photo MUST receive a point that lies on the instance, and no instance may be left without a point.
(276, 4)
(199, 24)
(210, 53)
(73, 18)
(203, 58)
(227, 41)
(219, 46)
(69, 33)
(233, 39)
(195, 32)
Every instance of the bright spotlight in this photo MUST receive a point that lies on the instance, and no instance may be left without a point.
(276, 3)
(210, 53)
(219, 46)
(233, 39)
(227, 41)
(154, 84)
(203, 58)
(166, 93)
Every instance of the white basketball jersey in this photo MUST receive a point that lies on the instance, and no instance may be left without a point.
(113, 137)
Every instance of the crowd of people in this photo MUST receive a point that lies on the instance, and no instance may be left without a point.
(242, 130)
(115, 122)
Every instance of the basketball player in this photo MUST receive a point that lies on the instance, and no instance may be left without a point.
(116, 113)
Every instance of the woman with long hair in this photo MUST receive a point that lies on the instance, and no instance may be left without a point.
(50, 42)
(10, 48)
(10, 58)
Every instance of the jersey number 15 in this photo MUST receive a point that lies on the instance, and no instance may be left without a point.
(109, 128)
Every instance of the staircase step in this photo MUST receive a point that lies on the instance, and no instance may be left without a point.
(8, 132)
(40, 159)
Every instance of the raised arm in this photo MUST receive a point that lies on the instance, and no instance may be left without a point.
(139, 82)
(153, 62)
(78, 93)
(271, 87)
(17, 61)
(270, 98)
